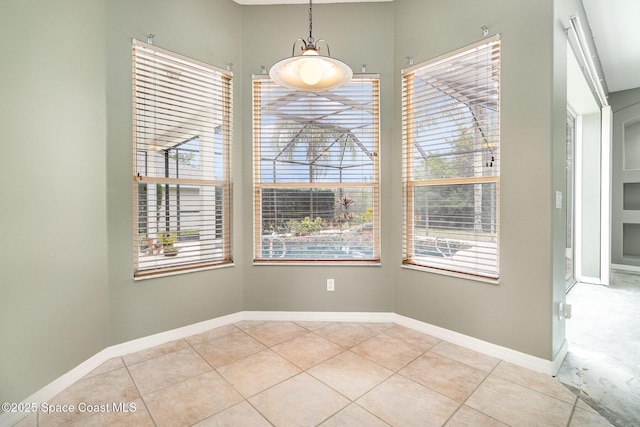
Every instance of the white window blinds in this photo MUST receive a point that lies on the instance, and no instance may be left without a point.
(451, 162)
(316, 177)
(181, 157)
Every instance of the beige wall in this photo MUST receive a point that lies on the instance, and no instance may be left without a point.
(53, 259)
(517, 312)
(357, 34)
(209, 31)
(78, 301)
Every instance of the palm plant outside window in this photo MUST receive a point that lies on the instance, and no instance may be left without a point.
(316, 179)
(451, 162)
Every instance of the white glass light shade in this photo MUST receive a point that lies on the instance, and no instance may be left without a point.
(310, 72)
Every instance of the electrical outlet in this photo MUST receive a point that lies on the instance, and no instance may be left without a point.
(331, 285)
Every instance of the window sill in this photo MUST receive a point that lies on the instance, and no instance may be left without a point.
(475, 278)
(176, 273)
(320, 263)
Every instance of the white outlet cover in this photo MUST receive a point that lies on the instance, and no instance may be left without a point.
(331, 285)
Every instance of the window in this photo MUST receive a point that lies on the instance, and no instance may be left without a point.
(316, 173)
(181, 144)
(451, 163)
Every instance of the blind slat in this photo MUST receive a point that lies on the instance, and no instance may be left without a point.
(316, 176)
(182, 136)
(451, 135)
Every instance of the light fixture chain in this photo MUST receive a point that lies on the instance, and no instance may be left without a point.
(310, 39)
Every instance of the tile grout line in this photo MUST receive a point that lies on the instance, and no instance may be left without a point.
(302, 371)
(573, 406)
(144, 402)
(351, 401)
(377, 333)
(305, 371)
(573, 411)
(244, 399)
(396, 372)
(534, 390)
(460, 404)
(393, 372)
(142, 397)
(489, 373)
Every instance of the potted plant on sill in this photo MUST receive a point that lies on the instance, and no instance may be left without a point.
(167, 240)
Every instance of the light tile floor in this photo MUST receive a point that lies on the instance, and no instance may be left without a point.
(315, 373)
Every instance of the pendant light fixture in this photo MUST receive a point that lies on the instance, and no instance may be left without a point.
(310, 71)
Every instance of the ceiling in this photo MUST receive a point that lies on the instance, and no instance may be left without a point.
(614, 25)
(254, 2)
(616, 32)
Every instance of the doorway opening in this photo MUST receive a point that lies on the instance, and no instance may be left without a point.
(604, 348)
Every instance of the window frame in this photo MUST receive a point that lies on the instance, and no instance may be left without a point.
(260, 185)
(422, 259)
(182, 123)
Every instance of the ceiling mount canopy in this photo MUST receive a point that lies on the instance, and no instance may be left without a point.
(310, 71)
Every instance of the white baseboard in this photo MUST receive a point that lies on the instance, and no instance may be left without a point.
(52, 389)
(623, 268)
(516, 357)
(56, 386)
(118, 350)
(556, 363)
(324, 316)
(591, 280)
(173, 334)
